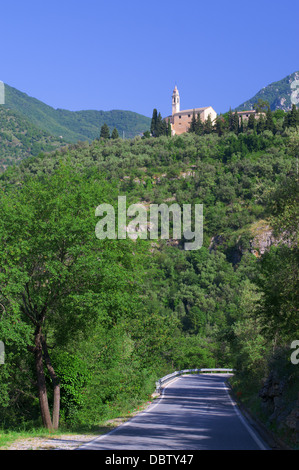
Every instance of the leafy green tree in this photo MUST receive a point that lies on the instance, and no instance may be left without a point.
(142, 315)
(247, 343)
(261, 106)
(57, 278)
(283, 209)
(279, 305)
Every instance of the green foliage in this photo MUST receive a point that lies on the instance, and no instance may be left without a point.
(261, 106)
(292, 117)
(158, 125)
(114, 134)
(279, 306)
(189, 351)
(57, 279)
(74, 376)
(120, 313)
(20, 139)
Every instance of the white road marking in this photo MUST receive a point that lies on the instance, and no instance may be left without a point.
(249, 429)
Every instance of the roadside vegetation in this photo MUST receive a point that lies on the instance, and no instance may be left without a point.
(89, 325)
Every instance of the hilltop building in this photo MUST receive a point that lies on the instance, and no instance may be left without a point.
(180, 120)
(246, 114)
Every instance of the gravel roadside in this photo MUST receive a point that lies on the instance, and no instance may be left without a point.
(62, 442)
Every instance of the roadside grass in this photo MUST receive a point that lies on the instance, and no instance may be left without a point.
(115, 416)
(8, 437)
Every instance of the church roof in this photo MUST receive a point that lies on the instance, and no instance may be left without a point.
(195, 110)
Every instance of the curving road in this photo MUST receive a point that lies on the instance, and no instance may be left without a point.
(195, 412)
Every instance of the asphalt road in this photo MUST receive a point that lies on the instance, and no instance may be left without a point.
(194, 412)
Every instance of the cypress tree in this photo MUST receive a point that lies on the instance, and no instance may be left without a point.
(199, 129)
(161, 128)
(220, 125)
(114, 134)
(269, 121)
(230, 120)
(251, 122)
(293, 120)
(192, 127)
(208, 126)
(105, 132)
(241, 128)
(261, 124)
(154, 122)
(235, 123)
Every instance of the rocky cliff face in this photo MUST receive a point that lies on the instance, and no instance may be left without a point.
(280, 95)
(282, 411)
(261, 238)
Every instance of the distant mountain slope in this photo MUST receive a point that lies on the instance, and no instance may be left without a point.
(19, 139)
(278, 94)
(74, 125)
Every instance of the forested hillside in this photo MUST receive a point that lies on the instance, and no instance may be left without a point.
(98, 321)
(74, 126)
(20, 139)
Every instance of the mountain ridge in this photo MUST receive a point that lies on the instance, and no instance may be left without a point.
(278, 94)
(74, 126)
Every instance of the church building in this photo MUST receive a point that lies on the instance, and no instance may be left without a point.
(180, 120)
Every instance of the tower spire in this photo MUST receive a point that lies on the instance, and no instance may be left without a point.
(175, 101)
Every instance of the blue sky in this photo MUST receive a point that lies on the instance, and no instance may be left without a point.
(95, 54)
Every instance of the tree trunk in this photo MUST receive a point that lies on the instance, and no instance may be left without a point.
(41, 381)
(56, 385)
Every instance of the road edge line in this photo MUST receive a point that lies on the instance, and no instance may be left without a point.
(149, 408)
(253, 434)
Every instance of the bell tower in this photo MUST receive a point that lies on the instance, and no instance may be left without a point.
(175, 101)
